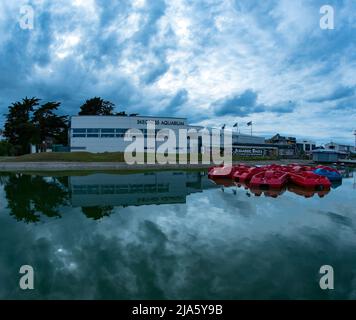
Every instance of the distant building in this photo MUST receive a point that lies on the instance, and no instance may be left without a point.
(278, 139)
(343, 148)
(305, 146)
(106, 134)
(333, 152)
(287, 146)
(246, 145)
(324, 156)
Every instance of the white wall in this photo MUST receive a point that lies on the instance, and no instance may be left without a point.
(117, 144)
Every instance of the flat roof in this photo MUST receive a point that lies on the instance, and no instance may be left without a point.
(128, 116)
(327, 151)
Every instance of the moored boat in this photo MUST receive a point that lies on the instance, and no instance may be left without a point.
(269, 180)
(222, 172)
(244, 175)
(331, 173)
(310, 180)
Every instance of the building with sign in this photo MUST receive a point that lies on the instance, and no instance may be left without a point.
(98, 134)
(166, 187)
(107, 133)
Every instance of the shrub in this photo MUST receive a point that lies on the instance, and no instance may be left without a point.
(6, 149)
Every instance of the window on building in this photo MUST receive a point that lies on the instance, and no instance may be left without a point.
(107, 130)
(121, 130)
(103, 133)
(79, 130)
(78, 148)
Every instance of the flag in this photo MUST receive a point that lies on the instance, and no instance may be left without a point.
(249, 123)
(236, 125)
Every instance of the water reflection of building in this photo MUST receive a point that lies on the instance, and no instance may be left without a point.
(136, 189)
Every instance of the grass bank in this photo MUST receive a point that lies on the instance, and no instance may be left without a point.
(67, 157)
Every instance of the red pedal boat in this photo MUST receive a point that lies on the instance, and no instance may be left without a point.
(300, 168)
(269, 180)
(244, 175)
(310, 180)
(222, 172)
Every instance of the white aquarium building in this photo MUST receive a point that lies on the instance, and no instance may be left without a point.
(106, 133)
(99, 134)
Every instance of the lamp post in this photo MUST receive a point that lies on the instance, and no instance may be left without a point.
(355, 140)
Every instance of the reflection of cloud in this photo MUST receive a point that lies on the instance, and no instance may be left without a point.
(203, 249)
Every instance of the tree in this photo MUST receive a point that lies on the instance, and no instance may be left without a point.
(29, 197)
(121, 114)
(26, 125)
(19, 131)
(5, 149)
(97, 107)
(49, 125)
(97, 212)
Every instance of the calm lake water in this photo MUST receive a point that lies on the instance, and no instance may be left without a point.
(173, 235)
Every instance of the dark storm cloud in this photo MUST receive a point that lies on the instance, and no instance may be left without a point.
(30, 66)
(153, 72)
(337, 94)
(179, 99)
(136, 53)
(246, 104)
(239, 105)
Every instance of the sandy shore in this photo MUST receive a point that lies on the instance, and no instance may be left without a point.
(116, 166)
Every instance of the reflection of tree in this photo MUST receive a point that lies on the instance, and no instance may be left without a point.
(29, 196)
(97, 212)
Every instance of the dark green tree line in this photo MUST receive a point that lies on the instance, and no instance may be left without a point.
(28, 122)
(29, 197)
(97, 107)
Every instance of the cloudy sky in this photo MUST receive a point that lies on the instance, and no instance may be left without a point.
(212, 61)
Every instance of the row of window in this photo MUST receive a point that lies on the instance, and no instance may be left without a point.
(105, 130)
(96, 135)
(97, 130)
(120, 189)
(104, 133)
